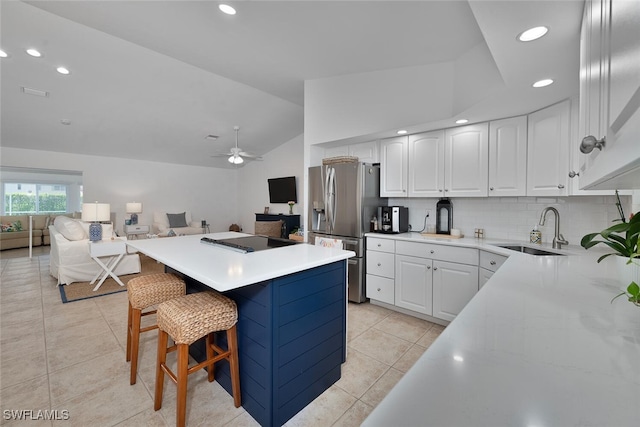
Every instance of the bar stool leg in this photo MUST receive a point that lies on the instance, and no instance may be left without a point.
(210, 355)
(232, 343)
(136, 315)
(163, 338)
(129, 319)
(182, 372)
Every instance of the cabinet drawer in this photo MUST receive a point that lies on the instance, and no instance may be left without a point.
(380, 264)
(380, 288)
(381, 245)
(438, 252)
(491, 261)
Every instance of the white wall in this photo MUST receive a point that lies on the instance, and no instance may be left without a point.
(514, 217)
(209, 193)
(253, 190)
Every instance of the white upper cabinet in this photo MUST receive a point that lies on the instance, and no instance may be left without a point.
(466, 159)
(548, 151)
(610, 94)
(426, 164)
(508, 157)
(393, 167)
(365, 152)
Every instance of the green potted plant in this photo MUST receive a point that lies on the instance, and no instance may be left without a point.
(623, 240)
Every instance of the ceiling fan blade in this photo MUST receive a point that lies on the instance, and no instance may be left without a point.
(222, 155)
(245, 154)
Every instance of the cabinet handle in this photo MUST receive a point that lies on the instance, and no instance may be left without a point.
(590, 142)
(491, 188)
(379, 289)
(441, 190)
(573, 174)
(379, 245)
(432, 251)
(428, 267)
(379, 264)
(446, 189)
(492, 262)
(560, 186)
(435, 268)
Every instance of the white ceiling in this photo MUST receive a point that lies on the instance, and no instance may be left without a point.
(150, 79)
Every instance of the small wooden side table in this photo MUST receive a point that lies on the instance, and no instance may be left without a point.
(115, 250)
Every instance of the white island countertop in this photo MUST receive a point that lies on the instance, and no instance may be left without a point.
(223, 269)
(539, 345)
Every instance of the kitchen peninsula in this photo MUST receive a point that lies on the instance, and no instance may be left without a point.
(540, 344)
(291, 315)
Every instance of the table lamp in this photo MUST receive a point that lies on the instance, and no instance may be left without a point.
(94, 213)
(134, 208)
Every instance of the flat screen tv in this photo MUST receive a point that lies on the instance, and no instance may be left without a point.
(282, 190)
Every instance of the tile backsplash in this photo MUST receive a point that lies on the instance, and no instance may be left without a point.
(514, 217)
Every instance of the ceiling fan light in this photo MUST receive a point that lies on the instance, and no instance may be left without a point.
(236, 160)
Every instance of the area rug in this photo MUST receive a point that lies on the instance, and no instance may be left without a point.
(84, 290)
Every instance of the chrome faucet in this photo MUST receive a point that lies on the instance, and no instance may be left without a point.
(558, 239)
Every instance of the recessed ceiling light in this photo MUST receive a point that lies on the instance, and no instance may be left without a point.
(543, 83)
(402, 132)
(532, 34)
(3, 54)
(34, 53)
(63, 70)
(227, 9)
(462, 121)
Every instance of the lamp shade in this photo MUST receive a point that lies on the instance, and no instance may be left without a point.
(93, 212)
(134, 207)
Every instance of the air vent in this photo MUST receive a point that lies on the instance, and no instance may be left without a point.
(211, 137)
(36, 92)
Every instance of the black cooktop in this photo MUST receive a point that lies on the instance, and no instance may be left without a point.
(249, 243)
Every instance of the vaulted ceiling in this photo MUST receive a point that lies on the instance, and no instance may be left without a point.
(151, 79)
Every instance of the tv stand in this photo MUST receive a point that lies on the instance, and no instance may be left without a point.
(290, 221)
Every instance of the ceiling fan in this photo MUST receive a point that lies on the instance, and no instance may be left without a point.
(236, 155)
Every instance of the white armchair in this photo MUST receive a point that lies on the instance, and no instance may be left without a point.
(70, 261)
(161, 224)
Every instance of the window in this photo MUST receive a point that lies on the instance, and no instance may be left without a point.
(40, 191)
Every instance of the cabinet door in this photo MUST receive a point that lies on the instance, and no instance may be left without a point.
(466, 161)
(453, 287)
(365, 152)
(508, 157)
(483, 277)
(548, 151)
(613, 106)
(393, 167)
(380, 288)
(414, 284)
(426, 164)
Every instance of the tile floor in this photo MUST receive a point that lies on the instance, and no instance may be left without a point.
(70, 357)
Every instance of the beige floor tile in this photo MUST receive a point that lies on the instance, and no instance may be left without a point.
(382, 387)
(381, 346)
(78, 349)
(20, 367)
(354, 415)
(362, 317)
(430, 336)
(325, 410)
(242, 420)
(359, 373)
(31, 394)
(409, 358)
(18, 312)
(402, 326)
(69, 316)
(148, 417)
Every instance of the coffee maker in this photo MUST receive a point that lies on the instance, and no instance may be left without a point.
(393, 219)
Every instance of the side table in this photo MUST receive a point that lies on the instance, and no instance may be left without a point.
(115, 250)
(136, 230)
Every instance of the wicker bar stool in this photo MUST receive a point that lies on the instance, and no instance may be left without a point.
(144, 292)
(187, 319)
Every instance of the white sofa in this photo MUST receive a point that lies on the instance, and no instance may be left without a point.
(70, 260)
(162, 226)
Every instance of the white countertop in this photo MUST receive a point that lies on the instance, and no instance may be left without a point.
(223, 269)
(539, 345)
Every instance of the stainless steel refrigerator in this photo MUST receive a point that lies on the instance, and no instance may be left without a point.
(343, 198)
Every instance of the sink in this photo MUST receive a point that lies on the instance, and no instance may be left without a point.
(529, 250)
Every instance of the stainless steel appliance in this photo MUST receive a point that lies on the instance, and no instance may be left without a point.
(343, 198)
(394, 219)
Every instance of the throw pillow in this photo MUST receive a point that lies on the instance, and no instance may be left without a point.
(71, 229)
(17, 226)
(6, 228)
(177, 220)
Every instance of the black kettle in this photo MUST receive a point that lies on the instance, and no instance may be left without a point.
(444, 216)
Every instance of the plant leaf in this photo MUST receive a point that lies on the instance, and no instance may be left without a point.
(633, 289)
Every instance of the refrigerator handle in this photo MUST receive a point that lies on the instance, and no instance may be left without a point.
(327, 198)
(334, 199)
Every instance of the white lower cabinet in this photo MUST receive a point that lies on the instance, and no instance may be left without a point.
(483, 276)
(415, 284)
(380, 288)
(453, 287)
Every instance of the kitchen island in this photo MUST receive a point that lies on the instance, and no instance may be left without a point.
(539, 345)
(291, 315)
